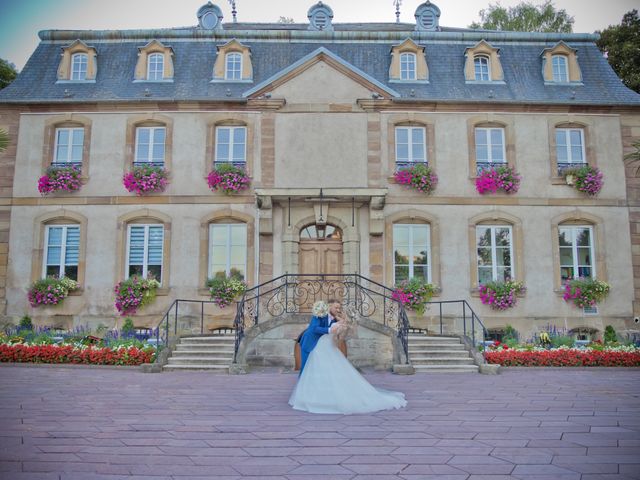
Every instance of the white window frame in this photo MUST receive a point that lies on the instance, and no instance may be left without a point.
(145, 254)
(494, 256)
(231, 61)
(63, 249)
(70, 144)
(231, 129)
(155, 74)
(560, 68)
(412, 247)
(152, 133)
(228, 246)
(79, 60)
(411, 158)
(490, 145)
(481, 62)
(568, 145)
(574, 249)
(408, 66)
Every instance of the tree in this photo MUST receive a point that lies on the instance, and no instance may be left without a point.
(525, 17)
(8, 73)
(620, 44)
(285, 20)
(4, 140)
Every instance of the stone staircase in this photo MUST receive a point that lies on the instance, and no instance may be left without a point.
(439, 354)
(212, 352)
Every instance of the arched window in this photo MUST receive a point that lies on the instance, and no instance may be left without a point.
(145, 250)
(150, 146)
(411, 252)
(320, 232)
(481, 68)
(228, 250)
(407, 66)
(560, 68)
(155, 66)
(62, 251)
(577, 251)
(233, 66)
(490, 147)
(79, 63)
(494, 245)
(231, 145)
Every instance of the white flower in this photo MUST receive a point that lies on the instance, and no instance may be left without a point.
(320, 309)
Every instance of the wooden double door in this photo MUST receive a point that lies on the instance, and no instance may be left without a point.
(320, 256)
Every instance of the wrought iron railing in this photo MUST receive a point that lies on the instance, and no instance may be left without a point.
(402, 165)
(238, 164)
(292, 294)
(148, 164)
(77, 165)
(481, 166)
(562, 166)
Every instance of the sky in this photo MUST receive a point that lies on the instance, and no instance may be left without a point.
(20, 20)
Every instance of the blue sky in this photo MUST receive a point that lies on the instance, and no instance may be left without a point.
(20, 20)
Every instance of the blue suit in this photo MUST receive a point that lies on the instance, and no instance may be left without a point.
(318, 326)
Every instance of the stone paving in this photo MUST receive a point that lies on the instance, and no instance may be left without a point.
(68, 423)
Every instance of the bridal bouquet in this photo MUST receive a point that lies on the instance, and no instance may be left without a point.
(320, 309)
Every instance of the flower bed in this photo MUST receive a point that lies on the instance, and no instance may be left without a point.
(585, 179)
(500, 295)
(585, 292)
(145, 179)
(565, 357)
(134, 293)
(228, 178)
(23, 353)
(420, 177)
(50, 291)
(414, 294)
(502, 177)
(65, 179)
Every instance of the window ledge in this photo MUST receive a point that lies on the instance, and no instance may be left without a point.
(74, 81)
(162, 291)
(224, 80)
(78, 292)
(204, 292)
(167, 80)
(563, 84)
(419, 82)
(475, 292)
(485, 82)
(558, 181)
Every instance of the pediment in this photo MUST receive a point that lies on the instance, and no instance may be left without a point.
(315, 72)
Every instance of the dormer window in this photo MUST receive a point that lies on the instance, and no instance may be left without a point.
(560, 65)
(427, 17)
(320, 16)
(408, 66)
(210, 17)
(155, 67)
(481, 68)
(233, 67)
(79, 63)
(559, 68)
(155, 63)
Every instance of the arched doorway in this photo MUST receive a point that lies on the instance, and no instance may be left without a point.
(320, 250)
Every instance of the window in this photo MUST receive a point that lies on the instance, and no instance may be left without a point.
(410, 146)
(408, 66)
(489, 147)
(560, 68)
(62, 251)
(150, 147)
(228, 250)
(144, 251)
(233, 68)
(569, 147)
(411, 252)
(79, 63)
(481, 68)
(495, 253)
(576, 252)
(155, 66)
(68, 146)
(231, 144)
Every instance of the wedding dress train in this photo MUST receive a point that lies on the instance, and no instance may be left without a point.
(330, 384)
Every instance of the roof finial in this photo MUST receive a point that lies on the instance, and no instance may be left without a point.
(397, 3)
(233, 10)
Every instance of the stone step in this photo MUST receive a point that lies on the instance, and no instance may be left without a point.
(436, 346)
(199, 353)
(436, 353)
(444, 338)
(441, 361)
(217, 339)
(201, 346)
(446, 368)
(213, 368)
(200, 360)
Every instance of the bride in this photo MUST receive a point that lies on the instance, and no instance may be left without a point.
(328, 382)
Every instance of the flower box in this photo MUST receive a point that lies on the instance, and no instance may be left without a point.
(585, 292)
(496, 178)
(60, 179)
(50, 291)
(501, 295)
(145, 179)
(585, 179)
(414, 294)
(420, 177)
(224, 290)
(135, 293)
(228, 178)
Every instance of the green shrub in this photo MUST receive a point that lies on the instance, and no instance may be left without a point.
(510, 333)
(26, 323)
(610, 335)
(127, 327)
(562, 340)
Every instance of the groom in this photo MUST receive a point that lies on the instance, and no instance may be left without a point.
(318, 326)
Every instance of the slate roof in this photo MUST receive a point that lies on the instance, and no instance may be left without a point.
(275, 47)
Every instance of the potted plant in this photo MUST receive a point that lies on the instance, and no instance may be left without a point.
(145, 179)
(56, 179)
(414, 294)
(134, 293)
(419, 177)
(50, 291)
(501, 295)
(585, 179)
(585, 292)
(225, 289)
(502, 177)
(228, 178)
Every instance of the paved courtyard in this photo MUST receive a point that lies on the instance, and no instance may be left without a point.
(67, 423)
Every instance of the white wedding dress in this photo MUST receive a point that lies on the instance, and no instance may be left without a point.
(330, 384)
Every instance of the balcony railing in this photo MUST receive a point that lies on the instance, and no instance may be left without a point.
(77, 165)
(481, 166)
(562, 166)
(242, 165)
(403, 165)
(148, 164)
